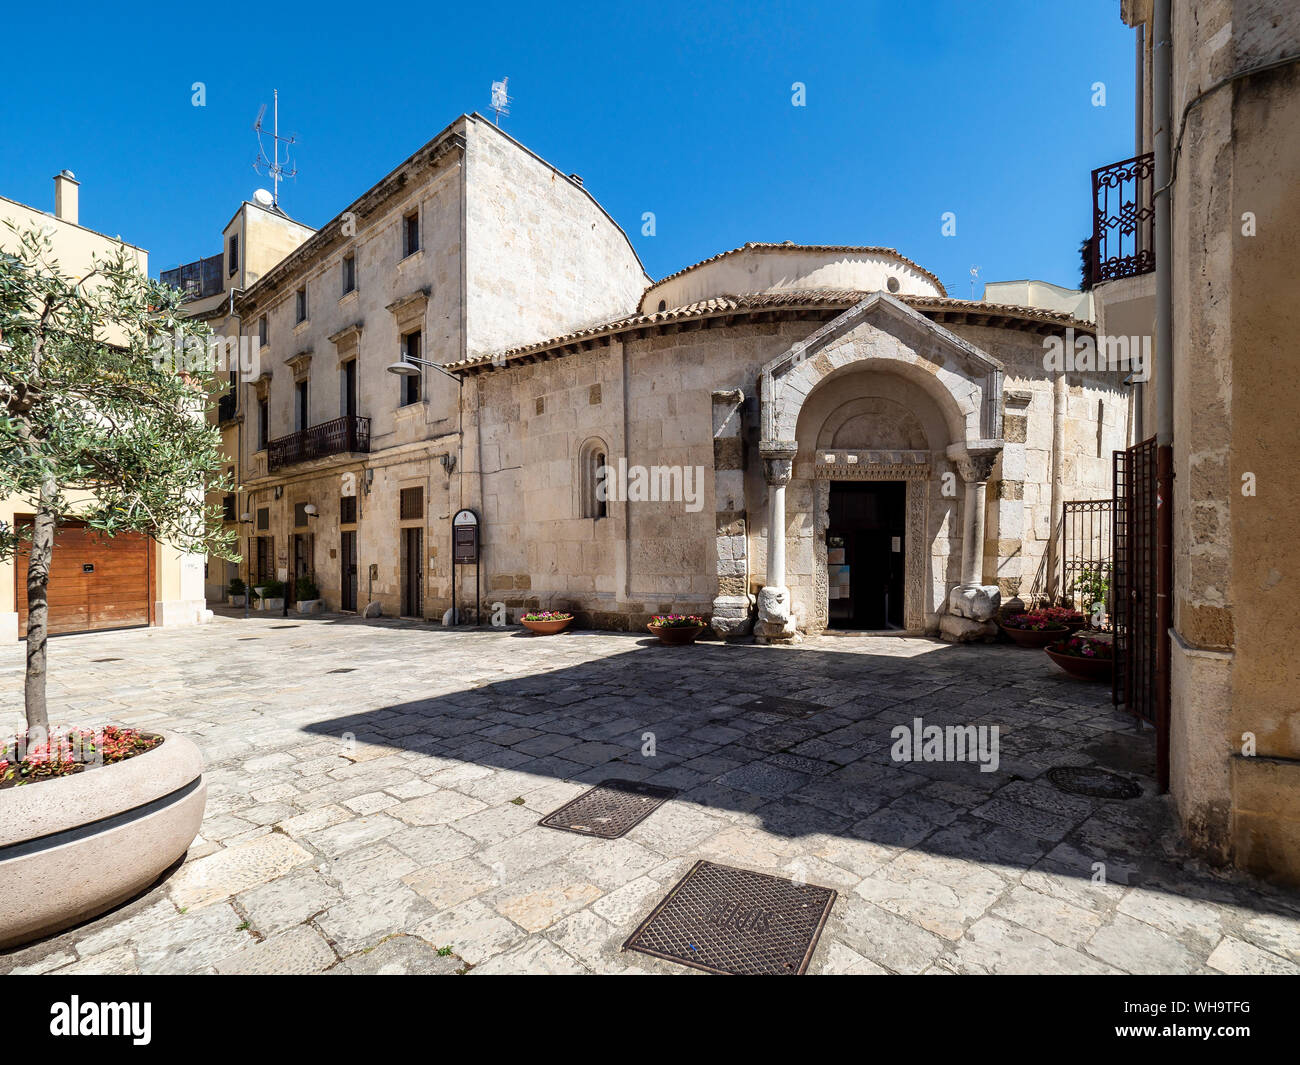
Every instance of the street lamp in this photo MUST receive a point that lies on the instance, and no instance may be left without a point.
(247, 519)
(409, 366)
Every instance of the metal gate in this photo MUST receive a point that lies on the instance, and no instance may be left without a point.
(1134, 613)
(1087, 533)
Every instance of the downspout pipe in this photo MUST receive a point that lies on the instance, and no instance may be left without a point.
(1161, 92)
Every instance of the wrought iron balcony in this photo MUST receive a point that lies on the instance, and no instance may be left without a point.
(337, 437)
(1123, 219)
(226, 407)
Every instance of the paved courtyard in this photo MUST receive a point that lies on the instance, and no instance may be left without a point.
(374, 789)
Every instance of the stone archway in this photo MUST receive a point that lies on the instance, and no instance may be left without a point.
(965, 384)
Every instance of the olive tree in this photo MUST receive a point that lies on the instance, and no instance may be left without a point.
(103, 387)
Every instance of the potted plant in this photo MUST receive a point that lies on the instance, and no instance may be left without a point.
(677, 628)
(1033, 630)
(546, 622)
(308, 597)
(1089, 655)
(1074, 620)
(144, 793)
(235, 593)
(270, 596)
(1093, 589)
(102, 421)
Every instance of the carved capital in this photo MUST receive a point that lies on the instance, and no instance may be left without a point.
(975, 462)
(778, 460)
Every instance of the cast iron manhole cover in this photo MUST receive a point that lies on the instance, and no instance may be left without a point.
(737, 922)
(609, 809)
(776, 704)
(1084, 780)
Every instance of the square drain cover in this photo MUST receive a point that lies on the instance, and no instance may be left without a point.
(609, 809)
(776, 704)
(737, 922)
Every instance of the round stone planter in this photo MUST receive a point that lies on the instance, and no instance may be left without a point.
(675, 635)
(75, 846)
(1034, 637)
(547, 628)
(1087, 668)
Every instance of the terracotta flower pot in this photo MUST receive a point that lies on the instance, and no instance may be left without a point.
(674, 635)
(1034, 637)
(546, 628)
(1087, 668)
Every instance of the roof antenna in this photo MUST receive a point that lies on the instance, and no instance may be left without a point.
(272, 167)
(974, 275)
(500, 101)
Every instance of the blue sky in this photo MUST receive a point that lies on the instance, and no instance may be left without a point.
(682, 109)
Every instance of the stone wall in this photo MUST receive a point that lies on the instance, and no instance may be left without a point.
(542, 257)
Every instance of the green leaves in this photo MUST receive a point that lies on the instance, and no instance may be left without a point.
(94, 406)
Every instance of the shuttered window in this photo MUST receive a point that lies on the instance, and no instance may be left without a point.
(412, 504)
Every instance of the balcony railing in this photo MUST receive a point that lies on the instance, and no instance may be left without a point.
(226, 407)
(337, 437)
(1123, 219)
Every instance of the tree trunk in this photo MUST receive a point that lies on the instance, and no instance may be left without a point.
(38, 617)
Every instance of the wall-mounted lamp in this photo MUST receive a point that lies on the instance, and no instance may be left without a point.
(311, 511)
(279, 491)
(246, 518)
(448, 461)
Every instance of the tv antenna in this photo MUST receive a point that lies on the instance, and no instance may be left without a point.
(272, 167)
(974, 276)
(500, 101)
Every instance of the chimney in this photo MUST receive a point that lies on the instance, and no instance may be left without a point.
(65, 196)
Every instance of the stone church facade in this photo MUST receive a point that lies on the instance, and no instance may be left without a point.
(841, 412)
(829, 440)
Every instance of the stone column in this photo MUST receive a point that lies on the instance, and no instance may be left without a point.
(775, 620)
(973, 604)
(732, 607)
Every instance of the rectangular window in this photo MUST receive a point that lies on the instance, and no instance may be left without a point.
(299, 515)
(232, 256)
(349, 387)
(228, 508)
(347, 510)
(349, 273)
(300, 407)
(410, 385)
(411, 504)
(263, 423)
(263, 518)
(411, 234)
(263, 331)
(300, 304)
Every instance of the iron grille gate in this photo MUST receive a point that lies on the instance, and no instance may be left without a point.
(1087, 533)
(1134, 588)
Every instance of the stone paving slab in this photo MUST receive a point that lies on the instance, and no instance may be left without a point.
(384, 820)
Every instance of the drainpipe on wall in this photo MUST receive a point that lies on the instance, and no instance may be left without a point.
(1161, 89)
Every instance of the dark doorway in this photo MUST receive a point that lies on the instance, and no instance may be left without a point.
(864, 554)
(303, 562)
(348, 554)
(412, 572)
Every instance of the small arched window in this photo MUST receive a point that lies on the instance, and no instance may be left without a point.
(592, 471)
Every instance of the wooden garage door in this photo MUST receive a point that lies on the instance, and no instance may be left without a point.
(96, 581)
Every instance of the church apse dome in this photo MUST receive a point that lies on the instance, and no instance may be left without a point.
(777, 268)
